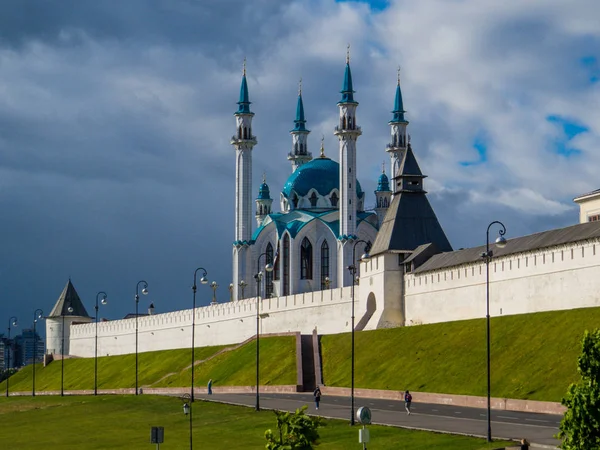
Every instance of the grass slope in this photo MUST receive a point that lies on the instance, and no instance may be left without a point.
(533, 356)
(124, 422)
(278, 364)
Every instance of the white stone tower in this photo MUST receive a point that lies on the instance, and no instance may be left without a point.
(347, 132)
(263, 202)
(299, 154)
(397, 147)
(243, 142)
(383, 195)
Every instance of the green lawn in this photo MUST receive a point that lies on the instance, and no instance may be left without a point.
(533, 356)
(123, 422)
(235, 367)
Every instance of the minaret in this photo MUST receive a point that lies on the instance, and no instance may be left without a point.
(243, 142)
(383, 195)
(263, 202)
(347, 133)
(398, 125)
(299, 154)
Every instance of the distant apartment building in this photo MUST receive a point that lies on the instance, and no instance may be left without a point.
(28, 345)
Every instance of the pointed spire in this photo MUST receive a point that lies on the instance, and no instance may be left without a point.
(68, 298)
(263, 190)
(347, 91)
(244, 103)
(383, 183)
(322, 147)
(398, 105)
(300, 120)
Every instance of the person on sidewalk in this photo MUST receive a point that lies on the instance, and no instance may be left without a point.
(524, 444)
(209, 387)
(317, 395)
(407, 401)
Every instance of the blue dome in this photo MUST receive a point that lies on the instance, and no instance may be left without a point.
(383, 185)
(321, 174)
(263, 192)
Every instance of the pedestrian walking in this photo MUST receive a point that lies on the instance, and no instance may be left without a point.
(209, 387)
(524, 444)
(407, 401)
(317, 395)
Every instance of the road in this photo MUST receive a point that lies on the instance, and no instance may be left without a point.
(537, 428)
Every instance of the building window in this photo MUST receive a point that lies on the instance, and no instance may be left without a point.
(334, 200)
(313, 200)
(269, 275)
(286, 265)
(306, 260)
(594, 218)
(324, 264)
(295, 201)
(276, 264)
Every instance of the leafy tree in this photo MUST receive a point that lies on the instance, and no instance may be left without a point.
(296, 431)
(580, 427)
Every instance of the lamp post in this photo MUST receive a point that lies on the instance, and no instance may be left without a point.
(203, 280)
(258, 278)
(11, 322)
(230, 292)
(104, 302)
(62, 353)
(501, 243)
(36, 316)
(327, 282)
(214, 287)
(137, 301)
(187, 410)
(243, 285)
(352, 268)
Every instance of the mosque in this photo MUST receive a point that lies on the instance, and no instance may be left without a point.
(300, 269)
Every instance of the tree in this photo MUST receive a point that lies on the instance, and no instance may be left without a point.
(580, 427)
(296, 431)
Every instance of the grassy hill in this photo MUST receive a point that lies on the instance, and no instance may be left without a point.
(169, 368)
(533, 356)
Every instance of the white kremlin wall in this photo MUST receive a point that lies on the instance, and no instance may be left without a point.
(328, 311)
(558, 278)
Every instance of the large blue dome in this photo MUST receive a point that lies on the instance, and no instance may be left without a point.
(321, 174)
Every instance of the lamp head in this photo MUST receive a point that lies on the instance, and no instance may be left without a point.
(213, 285)
(203, 280)
(365, 257)
(242, 283)
(104, 301)
(269, 267)
(70, 309)
(145, 291)
(14, 323)
(501, 242)
(327, 280)
(186, 409)
(231, 286)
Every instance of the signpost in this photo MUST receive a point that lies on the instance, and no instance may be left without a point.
(363, 414)
(157, 436)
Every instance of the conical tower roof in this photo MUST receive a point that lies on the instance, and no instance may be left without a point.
(69, 297)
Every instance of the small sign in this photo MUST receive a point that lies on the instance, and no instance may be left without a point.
(157, 435)
(364, 415)
(363, 436)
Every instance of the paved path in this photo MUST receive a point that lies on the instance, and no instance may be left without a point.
(537, 428)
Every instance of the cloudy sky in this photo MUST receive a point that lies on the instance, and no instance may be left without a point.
(115, 119)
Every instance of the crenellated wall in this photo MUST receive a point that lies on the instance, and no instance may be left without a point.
(328, 311)
(557, 278)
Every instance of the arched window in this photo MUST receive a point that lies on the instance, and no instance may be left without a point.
(286, 265)
(269, 276)
(301, 149)
(334, 200)
(239, 132)
(276, 263)
(295, 201)
(324, 264)
(313, 200)
(296, 148)
(306, 260)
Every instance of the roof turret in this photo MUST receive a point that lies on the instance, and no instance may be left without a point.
(244, 103)
(347, 91)
(383, 184)
(398, 111)
(263, 191)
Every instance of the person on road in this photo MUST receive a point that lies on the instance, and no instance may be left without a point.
(209, 387)
(407, 401)
(317, 395)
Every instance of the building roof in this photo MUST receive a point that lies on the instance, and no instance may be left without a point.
(321, 174)
(586, 196)
(244, 102)
(68, 297)
(347, 91)
(383, 184)
(409, 165)
(537, 241)
(300, 121)
(398, 112)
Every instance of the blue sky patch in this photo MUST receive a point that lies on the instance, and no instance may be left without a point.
(570, 129)
(480, 146)
(376, 5)
(591, 65)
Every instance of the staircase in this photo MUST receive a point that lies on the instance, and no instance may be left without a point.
(308, 363)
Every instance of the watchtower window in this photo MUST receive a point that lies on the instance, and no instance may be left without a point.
(334, 199)
(313, 200)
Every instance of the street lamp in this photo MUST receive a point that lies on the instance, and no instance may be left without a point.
(243, 285)
(214, 287)
(187, 410)
(365, 257)
(62, 354)
(327, 282)
(137, 301)
(203, 280)
(258, 278)
(230, 292)
(11, 322)
(104, 302)
(500, 243)
(36, 316)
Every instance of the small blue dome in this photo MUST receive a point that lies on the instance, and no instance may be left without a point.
(263, 192)
(321, 174)
(383, 185)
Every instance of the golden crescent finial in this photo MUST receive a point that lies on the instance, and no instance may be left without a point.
(244, 69)
(322, 146)
(264, 177)
(383, 167)
(398, 75)
(300, 86)
(348, 54)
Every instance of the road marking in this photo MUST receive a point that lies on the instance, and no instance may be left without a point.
(371, 404)
(457, 412)
(508, 417)
(435, 410)
(391, 406)
(538, 420)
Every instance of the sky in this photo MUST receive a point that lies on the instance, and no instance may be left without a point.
(115, 121)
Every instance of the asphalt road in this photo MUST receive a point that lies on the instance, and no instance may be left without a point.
(537, 428)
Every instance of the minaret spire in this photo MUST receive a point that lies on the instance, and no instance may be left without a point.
(243, 142)
(299, 154)
(398, 145)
